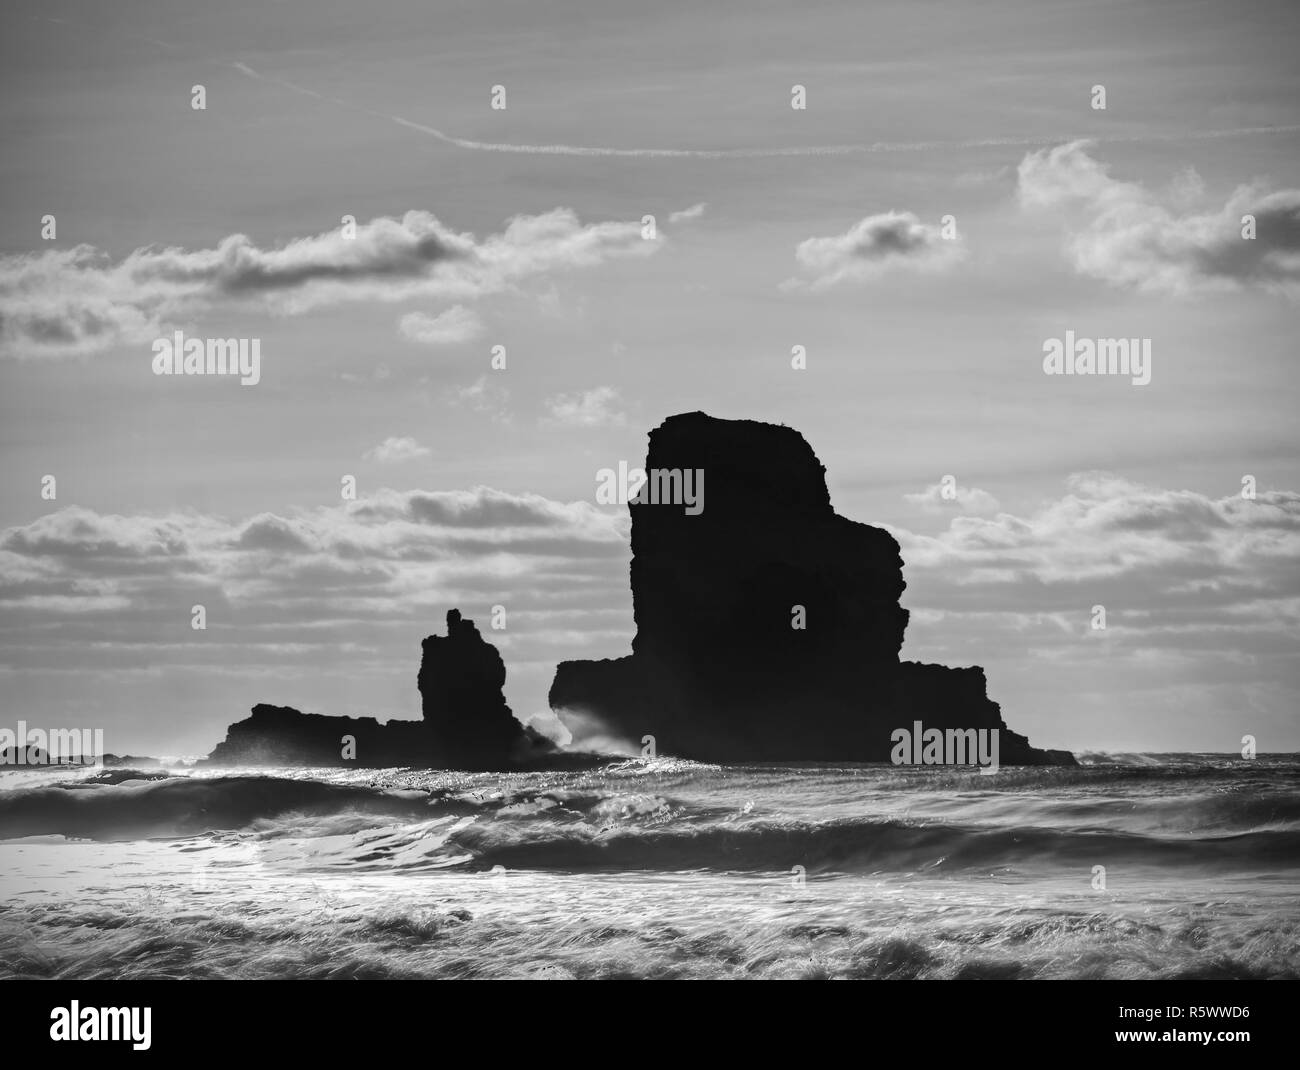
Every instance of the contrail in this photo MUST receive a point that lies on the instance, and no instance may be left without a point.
(750, 154)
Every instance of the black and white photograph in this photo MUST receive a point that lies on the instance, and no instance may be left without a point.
(682, 491)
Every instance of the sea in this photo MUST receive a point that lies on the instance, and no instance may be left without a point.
(1129, 866)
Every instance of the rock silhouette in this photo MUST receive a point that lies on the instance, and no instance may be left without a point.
(718, 670)
(281, 735)
(466, 725)
(461, 680)
(768, 629)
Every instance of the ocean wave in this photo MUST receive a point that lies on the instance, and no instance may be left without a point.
(140, 808)
(655, 868)
(641, 930)
(858, 847)
(678, 816)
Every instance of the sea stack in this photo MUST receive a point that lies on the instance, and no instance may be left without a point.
(466, 725)
(720, 669)
(461, 680)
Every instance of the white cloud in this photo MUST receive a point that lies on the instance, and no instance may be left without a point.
(75, 301)
(391, 553)
(484, 396)
(1202, 603)
(1107, 527)
(597, 407)
(871, 246)
(456, 324)
(395, 450)
(1127, 235)
(695, 211)
(966, 499)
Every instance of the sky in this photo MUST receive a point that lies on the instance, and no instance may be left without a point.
(948, 199)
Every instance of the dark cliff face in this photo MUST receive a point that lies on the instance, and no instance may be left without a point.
(716, 589)
(718, 672)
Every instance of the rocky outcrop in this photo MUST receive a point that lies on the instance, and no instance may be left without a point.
(768, 626)
(461, 680)
(281, 735)
(467, 724)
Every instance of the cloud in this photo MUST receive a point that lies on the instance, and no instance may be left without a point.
(967, 499)
(320, 608)
(597, 407)
(695, 211)
(323, 609)
(871, 246)
(1202, 603)
(389, 556)
(486, 397)
(456, 324)
(396, 450)
(1106, 528)
(76, 301)
(1158, 241)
